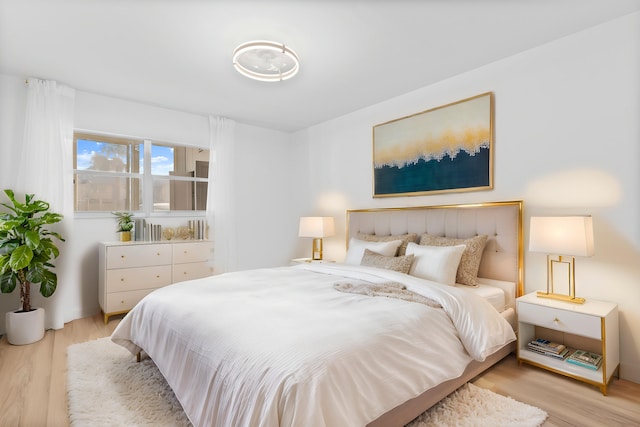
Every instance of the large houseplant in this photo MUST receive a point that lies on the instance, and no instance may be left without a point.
(26, 251)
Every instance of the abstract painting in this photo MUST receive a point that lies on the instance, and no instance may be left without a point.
(445, 149)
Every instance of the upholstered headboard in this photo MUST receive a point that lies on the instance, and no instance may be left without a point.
(500, 221)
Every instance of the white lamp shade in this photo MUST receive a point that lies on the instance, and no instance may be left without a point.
(562, 235)
(316, 226)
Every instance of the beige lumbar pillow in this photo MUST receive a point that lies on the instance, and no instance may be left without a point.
(395, 263)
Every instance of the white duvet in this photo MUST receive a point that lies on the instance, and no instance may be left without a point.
(282, 347)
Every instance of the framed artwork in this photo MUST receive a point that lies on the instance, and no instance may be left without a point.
(445, 149)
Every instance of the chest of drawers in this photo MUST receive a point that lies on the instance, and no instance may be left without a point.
(129, 271)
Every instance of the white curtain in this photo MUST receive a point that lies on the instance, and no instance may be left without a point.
(221, 211)
(45, 169)
(46, 162)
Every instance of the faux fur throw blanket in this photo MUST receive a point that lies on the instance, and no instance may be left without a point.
(389, 290)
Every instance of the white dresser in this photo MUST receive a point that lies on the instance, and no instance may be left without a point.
(128, 271)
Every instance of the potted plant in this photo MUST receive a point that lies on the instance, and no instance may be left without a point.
(26, 252)
(125, 225)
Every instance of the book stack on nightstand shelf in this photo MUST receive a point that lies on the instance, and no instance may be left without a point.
(589, 332)
(548, 348)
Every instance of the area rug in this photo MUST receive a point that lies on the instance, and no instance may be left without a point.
(106, 387)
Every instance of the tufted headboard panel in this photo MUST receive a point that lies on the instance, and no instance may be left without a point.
(500, 221)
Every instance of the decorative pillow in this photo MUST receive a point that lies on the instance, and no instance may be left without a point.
(405, 238)
(357, 247)
(470, 262)
(395, 263)
(437, 263)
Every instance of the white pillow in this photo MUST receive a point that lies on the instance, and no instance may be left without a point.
(437, 263)
(357, 247)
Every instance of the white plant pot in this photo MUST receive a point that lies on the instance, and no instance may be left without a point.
(24, 328)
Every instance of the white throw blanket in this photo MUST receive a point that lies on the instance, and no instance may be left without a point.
(282, 347)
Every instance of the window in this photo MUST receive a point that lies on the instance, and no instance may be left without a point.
(126, 174)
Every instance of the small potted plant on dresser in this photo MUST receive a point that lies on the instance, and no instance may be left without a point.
(125, 225)
(26, 252)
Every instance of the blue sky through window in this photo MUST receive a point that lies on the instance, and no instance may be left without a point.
(161, 156)
(161, 160)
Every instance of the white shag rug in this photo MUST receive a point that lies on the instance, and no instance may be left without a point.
(106, 387)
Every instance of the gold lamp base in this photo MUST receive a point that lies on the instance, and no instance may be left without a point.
(561, 297)
(316, 249)
(571, 269)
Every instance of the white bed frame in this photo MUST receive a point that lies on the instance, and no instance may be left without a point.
(502, 260)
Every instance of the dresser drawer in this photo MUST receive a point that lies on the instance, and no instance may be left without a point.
(197, 270)
(138, 256)
(130, 279)
(191, 252)
(560, 320)
(124, 301)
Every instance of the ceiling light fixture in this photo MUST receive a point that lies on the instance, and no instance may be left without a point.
(266, 61)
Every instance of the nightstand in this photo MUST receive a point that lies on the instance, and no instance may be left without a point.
(592, 326)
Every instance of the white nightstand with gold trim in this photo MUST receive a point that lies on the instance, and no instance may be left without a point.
(592, 326)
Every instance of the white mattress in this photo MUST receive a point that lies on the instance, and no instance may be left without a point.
(499, 293)
(494, 295)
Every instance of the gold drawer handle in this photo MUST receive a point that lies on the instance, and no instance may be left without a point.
(122, 256)
(158, 254)
(122, 279)
(158, 276)
(556, 320)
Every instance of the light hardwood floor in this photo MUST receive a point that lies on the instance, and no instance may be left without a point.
(33, 385)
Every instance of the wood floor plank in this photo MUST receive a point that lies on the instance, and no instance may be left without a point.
(33, 389)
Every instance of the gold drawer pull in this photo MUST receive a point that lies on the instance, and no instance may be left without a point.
(122, 279)
(158, 254)
(122, 302)
(556, 320)
(122, 256)
(158, 276)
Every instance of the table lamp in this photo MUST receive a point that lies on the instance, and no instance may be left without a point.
(564, 237)
(316, 227)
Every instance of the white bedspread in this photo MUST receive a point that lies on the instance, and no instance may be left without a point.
(282, 347)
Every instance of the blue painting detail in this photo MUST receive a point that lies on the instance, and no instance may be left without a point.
(434, 174)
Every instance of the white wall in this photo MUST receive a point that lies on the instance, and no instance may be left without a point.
(268, 201)
(567, 135)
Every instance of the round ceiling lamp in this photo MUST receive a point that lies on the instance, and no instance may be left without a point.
(265, 61)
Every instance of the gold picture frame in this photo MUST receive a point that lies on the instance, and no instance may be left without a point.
(444, 149)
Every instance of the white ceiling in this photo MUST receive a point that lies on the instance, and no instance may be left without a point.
(177, 53)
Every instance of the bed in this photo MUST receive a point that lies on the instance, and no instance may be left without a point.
(344, 343)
